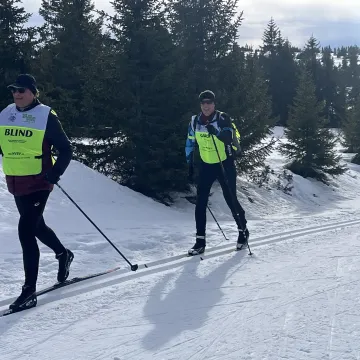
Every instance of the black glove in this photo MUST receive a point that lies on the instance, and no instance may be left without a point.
(212, 130)
(52, 177)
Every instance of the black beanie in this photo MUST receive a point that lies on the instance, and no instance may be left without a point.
(207, 94)
(25, 81)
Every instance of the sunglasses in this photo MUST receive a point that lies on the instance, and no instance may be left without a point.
(207, 102)
(20, 90)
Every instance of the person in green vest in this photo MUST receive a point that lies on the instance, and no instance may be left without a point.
(28, 132)
(217, 141)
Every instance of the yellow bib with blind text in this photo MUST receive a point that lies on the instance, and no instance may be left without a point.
(21, 139)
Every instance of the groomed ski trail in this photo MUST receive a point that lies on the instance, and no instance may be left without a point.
(288, 302)
(162, 265)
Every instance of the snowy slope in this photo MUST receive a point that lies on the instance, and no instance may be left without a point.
(132, 221)
(286, 301)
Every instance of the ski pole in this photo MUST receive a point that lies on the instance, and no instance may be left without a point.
(228, 185)
(133, 267)
(217, 222)
(212, 214)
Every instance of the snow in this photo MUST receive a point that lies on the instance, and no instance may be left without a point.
(296, 297)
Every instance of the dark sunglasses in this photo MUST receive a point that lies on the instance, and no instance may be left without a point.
(207, 102)
(20, 90)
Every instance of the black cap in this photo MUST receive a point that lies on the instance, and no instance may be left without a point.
(25, 81)
(207, 94)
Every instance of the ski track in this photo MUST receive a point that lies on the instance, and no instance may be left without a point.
(91, 249)
(333, 313)
(215, 251)
(294, 319)
(212, 251)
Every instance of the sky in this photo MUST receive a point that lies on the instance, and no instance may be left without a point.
(332, 22)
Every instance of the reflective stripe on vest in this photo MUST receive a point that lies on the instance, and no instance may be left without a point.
(206, 145)
(21, 139)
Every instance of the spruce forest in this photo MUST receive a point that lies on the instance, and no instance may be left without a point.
(125, 86)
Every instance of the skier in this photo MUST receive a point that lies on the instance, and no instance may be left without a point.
(28, 131)
(209, 127)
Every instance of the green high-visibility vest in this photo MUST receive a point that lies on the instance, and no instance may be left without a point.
(21, 139)
(207, 148)
(205, 143)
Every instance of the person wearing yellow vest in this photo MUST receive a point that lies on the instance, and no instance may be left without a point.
(28, 132)
(215, 138)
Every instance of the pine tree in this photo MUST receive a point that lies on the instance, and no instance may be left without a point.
(351, 130)
(16, 45)
(271, 39)
(146, 150)
(250, 109)
(353, 73)
(344, 65)
(277, 58)
(285, 79)
(204, 32)
(70, 39)
(329, 89)
(100, 107)
(310, 144)
(310, 59)
(340, 101)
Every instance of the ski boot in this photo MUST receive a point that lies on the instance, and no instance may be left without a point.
(242, 239)
(65, 259)
(199, 247)
(26, 300)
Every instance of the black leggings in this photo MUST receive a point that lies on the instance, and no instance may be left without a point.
(32, 225)
(208, 173)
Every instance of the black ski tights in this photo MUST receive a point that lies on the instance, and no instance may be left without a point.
(32, 225)
(208, 173)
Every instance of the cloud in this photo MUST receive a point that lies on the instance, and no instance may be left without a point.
(33, 6)
(328, 33)
(331, 22)
(258, 10)
(337, 33)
